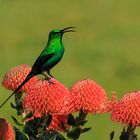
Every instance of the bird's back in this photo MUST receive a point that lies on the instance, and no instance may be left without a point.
(49, 57)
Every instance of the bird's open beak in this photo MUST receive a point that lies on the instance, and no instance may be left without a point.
(68, 29)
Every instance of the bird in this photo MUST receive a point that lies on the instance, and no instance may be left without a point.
(49, 57)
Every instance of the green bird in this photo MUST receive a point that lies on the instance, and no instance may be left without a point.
(49, 57)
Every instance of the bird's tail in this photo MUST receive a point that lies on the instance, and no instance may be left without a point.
(29, 76)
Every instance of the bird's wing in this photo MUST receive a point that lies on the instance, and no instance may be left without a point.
(41, 60)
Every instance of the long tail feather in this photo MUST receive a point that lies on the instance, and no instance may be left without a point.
(29, 76)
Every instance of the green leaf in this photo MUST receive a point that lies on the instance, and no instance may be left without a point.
(74, 133)
(123, 135)
(50, 135)
(16, 121)
(85, 129)
(128, 134)
(112, 135)
(81, 122)
(29, 130)
(20, 135)
(71, 120)
(18, 95)
(47, 121)
(60, 137)
(82, 115)
(53, 135)
(13, 106)
(29, 115)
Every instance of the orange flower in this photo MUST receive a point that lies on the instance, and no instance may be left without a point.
(48, 97)
(90, 97)
(59, 123)
(6, 131)
(16, 75)
(127, 110)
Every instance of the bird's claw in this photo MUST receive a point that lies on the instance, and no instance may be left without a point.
(49, 80)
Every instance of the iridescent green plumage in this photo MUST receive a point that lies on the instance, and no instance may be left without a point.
(51, 55)
(48, 58)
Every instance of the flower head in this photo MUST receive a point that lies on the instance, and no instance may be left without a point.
(127, 110)
(16, 75)
(90, 97)
(59, 123)
(48, 97)
(6, 131)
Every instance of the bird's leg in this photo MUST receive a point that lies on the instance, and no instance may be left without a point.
(45, 76)
(48, 79)
(49, 73)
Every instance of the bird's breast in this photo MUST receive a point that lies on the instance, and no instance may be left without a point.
(55, 59)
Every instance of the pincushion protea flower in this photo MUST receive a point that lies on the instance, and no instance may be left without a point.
(59, 123)
(16, 75)
(127, 110)
(90, 97)
(6, 131)
(48, 97)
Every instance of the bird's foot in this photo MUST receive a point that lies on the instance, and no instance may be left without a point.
(48, 79)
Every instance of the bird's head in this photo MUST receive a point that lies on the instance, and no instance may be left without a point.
(58, 33)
